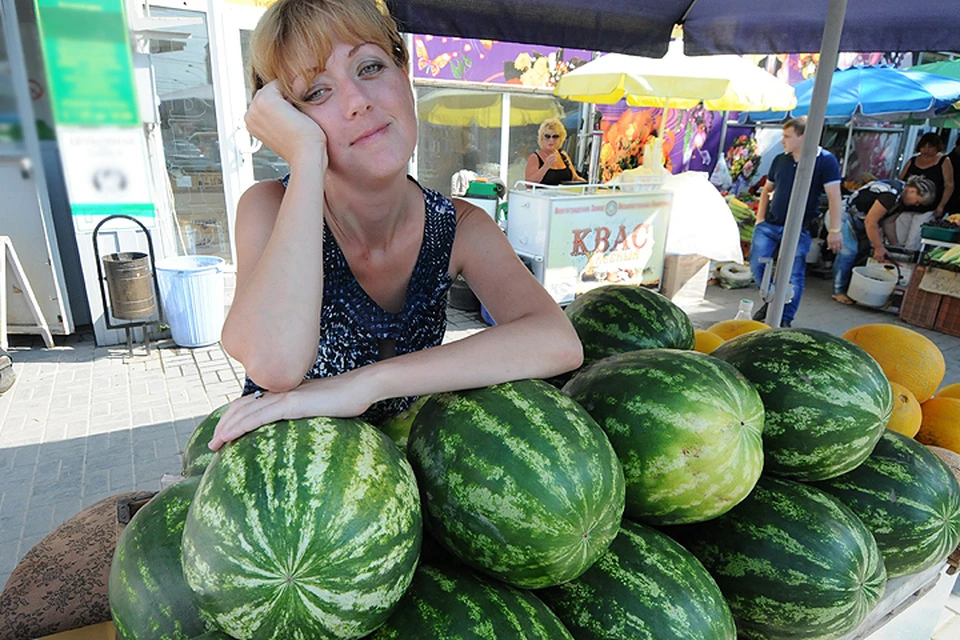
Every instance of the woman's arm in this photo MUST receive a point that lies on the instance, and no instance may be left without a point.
(872, 225)
(903, 172)
(534, 172)
(576, 176)
(274, 320)
(948, 188)
(532, 339)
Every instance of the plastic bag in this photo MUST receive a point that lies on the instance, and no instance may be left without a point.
(720, 177)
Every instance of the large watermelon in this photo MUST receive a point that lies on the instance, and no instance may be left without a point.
(618, 318)
(826, 400)
(517, 481)
(303, 530)
(645, 587)
(908, 499)
(448, 603)
(196, 454)
(149, 599)
(792, 562)
(686, 427)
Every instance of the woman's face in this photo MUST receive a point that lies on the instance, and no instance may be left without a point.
(550, 140)
(364, 103)
(929, 150)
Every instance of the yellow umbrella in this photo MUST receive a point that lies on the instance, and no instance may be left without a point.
(463, 107)
(722, 83)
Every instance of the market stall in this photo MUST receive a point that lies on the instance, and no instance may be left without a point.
(578, 237)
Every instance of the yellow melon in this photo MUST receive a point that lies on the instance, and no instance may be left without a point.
(907, 415)
(941, 423)
(729, 329)
(905, 356)
(707, 341)
(949, 458)
(950, 391)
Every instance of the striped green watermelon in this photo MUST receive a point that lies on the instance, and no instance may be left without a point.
(196, 454)
(517, 481)
(448, 603)
(645, 587)
(617, 318)
(826, 400)
(908, 499)
(792, 562)
(686, 427)
(303, 530)
(149, 598)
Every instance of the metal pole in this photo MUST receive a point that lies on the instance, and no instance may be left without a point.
(723, 134)
(829, 51)
(848, 148)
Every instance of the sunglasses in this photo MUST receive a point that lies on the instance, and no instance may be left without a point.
(551, 136)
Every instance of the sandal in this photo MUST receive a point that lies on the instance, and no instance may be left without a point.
(842, 298)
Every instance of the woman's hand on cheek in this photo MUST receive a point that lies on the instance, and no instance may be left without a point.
(283, 128)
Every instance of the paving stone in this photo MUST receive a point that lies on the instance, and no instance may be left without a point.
(95, 482)
(11, 527)
(120, 479)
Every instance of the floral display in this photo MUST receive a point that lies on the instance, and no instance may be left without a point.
(743, 158)
(534, 69)
(624, 141)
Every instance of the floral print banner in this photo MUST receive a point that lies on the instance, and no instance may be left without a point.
(490, 61)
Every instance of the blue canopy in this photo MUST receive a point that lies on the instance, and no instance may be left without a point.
(882, 93)
(644, 27)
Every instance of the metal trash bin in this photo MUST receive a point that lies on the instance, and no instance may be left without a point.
(129, 285)
(191, 291)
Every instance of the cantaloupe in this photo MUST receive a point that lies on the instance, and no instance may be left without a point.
(707, 341)
(728, 329)
(906, 356)
(941, 423)
(907, 415)
(950, 391)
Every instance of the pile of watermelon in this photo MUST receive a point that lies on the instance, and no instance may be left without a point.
(662, 493)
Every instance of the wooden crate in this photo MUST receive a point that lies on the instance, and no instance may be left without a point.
(948, 316)
(920, 307)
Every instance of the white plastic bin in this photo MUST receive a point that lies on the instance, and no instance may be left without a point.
(191, 291)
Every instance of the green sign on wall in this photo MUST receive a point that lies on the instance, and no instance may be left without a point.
(86, 49)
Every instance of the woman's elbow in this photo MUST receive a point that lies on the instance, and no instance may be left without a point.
(567, 351)
(266, 369)
(273, 375)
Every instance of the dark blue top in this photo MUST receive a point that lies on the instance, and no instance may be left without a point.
(781, 174)
(352, 324)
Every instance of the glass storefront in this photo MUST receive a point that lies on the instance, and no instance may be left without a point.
(462, 129)
(188, 125)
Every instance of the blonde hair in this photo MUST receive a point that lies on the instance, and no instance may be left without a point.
(552, 125)
(294, 38)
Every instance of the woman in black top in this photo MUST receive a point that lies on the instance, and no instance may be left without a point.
(550, 164)
(930, 162)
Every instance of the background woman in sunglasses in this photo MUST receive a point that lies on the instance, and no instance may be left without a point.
(550, 164)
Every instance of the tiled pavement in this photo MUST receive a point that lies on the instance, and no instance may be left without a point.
(84, 422)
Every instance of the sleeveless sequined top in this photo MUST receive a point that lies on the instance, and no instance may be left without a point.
(352, 324)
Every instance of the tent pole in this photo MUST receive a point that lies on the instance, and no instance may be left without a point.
(829, 52)
(847, 149)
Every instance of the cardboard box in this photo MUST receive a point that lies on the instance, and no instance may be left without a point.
(685, 277)
(103, 631)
